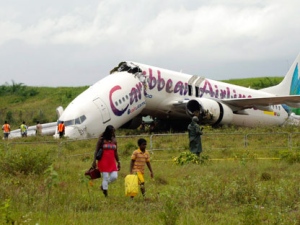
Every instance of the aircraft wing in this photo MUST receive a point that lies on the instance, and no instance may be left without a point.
(238, 105)
(244, 103)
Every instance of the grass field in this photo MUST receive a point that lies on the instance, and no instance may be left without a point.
(42, 182)
(246, 176)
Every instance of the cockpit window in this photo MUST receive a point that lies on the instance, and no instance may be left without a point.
(82, 118)
(69, 122)
(126, 67)
(76, 121)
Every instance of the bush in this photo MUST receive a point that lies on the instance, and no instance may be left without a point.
(188, 157)
(18, 89)
(128, 149)
(5, 213)
(27, 161)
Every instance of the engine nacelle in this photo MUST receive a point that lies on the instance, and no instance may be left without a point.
(209, 111)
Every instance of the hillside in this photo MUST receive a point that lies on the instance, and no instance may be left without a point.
(34, 103)
(19, 102)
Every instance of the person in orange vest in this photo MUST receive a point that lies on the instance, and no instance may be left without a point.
(61, 129)
(6, 129)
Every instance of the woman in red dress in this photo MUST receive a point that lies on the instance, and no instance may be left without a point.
(107, 164)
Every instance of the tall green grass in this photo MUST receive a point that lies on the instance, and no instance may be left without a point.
(239, 190)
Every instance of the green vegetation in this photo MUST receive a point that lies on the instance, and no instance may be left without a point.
(19, 102)
(256, 83)
(17, 89)
(188, 158)
(237, 180)
(43, 182)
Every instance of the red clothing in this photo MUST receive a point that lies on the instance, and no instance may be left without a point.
(107, 163)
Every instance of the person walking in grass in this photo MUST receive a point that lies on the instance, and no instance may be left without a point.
(195, 133)
(109, 163)
(139, 158)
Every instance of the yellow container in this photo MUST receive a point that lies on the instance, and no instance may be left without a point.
(131, 185)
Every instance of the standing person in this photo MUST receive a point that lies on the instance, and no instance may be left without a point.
(139, 158)
(195, 136)
(38, 129)
(61, 129)
(6, 130)
(23, 129)
(107, 164)
(142, 126)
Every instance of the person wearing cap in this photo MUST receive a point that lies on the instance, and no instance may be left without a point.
(195, 133)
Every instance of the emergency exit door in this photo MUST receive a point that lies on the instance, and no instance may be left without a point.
(103, 110)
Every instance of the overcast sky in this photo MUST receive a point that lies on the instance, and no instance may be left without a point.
(76, 43)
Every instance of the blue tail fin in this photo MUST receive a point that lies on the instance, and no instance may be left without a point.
(295, 90)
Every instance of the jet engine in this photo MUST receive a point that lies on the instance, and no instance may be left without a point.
(209, 111)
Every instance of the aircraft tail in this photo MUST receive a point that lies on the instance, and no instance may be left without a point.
(290, 85)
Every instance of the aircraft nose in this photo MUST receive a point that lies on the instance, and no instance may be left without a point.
(74, 132)
(70, 132)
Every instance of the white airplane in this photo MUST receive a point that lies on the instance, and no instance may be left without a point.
(133, 90)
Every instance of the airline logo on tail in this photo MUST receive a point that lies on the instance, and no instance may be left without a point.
(295, 87)
(295, 90)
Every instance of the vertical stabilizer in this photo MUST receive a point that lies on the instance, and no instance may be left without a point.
(290, 85)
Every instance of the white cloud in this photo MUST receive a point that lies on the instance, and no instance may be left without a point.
(175, 34)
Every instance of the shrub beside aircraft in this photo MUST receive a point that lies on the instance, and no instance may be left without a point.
(133, 90)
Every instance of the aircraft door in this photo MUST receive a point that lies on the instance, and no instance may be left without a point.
(103, 110)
